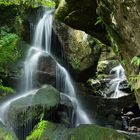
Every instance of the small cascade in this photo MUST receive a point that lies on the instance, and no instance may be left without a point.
(119, 76)
(64, 83)
(42, 46)
(30, 67)
(43, 32)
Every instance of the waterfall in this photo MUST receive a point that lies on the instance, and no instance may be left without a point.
(63, 81)
(119, 76)
(42, 46)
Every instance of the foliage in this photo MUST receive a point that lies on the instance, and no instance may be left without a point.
(132, 80)
(7, 89)
(39, 130)
(4, 89)
(36, 134)
(136, 61)
(99, 20)
(28, 3)
(8, 50)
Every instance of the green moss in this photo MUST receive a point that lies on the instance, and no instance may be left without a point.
(28, 3)
(40, 129)
(93, 132)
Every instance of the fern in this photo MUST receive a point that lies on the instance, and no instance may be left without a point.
(99, 20)
(136, 61)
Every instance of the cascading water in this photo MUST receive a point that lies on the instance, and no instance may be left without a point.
(119, 76)
(64, 82)
(42, 46)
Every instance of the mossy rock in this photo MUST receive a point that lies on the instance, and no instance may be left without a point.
(82, 132)
(28, 109)
(49, 131)
(94, 132)
(80, 50)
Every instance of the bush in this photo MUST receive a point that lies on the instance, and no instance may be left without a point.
(8, 51)
(6, 89)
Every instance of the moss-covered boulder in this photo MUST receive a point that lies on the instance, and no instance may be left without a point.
(94, 132)
(82, 132)
(27, 110)
(80, 49)
(6, 134)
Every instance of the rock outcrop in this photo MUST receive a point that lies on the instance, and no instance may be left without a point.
(121, 19)
(81, 51)
(81, 15)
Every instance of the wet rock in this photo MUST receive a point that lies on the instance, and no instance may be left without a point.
(123, 86)
(134, 129)
(46, 70)
(106, 111)
(135, 122)
(105, 66)
(26, 111)
(66, 111)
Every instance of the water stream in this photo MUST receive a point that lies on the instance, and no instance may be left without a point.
(119, 76)
(42, 46)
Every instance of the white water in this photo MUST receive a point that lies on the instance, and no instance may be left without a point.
(42, 44)
(119, 76)
(64, 82)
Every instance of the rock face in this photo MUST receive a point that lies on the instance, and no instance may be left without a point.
(26, 111)
(80, 15)
(122, 20)
(80, 50)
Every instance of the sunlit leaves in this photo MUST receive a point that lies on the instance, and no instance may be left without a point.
(29, 3)
(136, 61)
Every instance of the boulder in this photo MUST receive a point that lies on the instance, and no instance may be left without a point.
(66, 111)
(80, 50)
(26, 111)
(135, 122)
(82, 132)
(46, 72)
